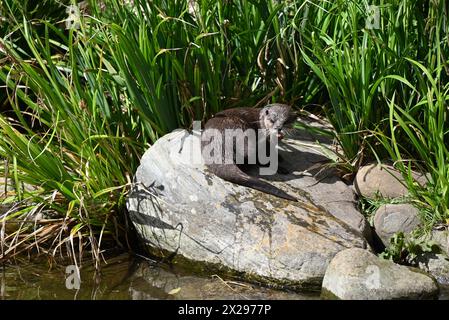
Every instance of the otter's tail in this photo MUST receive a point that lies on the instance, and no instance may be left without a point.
(232, 173)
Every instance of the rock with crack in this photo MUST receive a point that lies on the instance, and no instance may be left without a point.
(183, 212)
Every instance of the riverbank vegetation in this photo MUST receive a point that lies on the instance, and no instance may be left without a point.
(85, 88)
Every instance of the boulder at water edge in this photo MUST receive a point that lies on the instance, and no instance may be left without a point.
(183, 212)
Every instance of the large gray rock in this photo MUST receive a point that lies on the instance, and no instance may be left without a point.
(393, 218)
(384, 180)
(177, 207)
(356, 274)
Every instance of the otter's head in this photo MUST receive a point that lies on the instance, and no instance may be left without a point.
(275, 117)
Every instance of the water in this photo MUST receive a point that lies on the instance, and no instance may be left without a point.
(128, 277)
(125, 277)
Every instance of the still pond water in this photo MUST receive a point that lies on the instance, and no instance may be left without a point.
(129, 277)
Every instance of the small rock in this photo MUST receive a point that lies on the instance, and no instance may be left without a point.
(435, 264)
(358, 274)
(384, 180)
(148, 282)
(392, 218)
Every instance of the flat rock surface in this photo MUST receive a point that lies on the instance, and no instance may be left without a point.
(356, 274)
(177, 207)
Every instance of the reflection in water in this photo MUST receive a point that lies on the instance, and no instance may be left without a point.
(125, 277)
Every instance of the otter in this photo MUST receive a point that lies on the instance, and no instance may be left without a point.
(264, 122)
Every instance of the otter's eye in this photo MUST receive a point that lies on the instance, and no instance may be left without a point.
(271, 121)
(267, 112)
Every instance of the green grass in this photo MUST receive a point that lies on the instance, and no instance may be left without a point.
(79, 107)
(404, 249)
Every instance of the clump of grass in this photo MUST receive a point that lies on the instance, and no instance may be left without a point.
(359, 65)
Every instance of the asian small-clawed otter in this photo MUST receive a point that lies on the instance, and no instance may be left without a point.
(264, 122)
